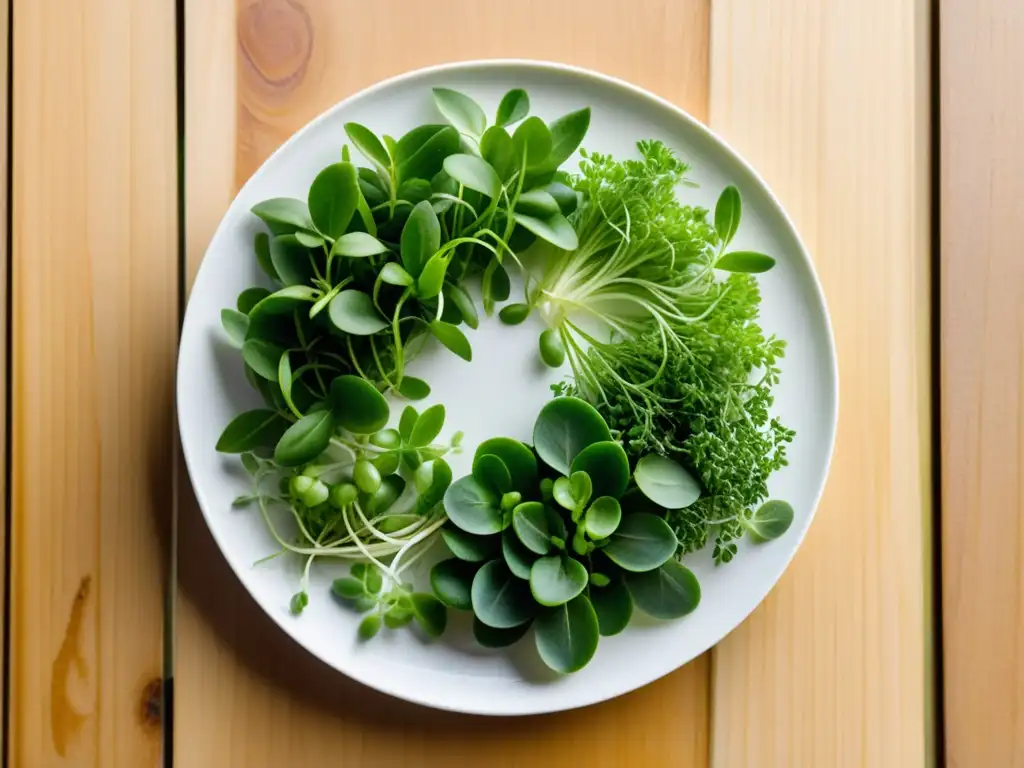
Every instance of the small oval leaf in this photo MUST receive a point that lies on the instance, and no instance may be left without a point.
(514, 106)
(452, 338)
(304, 440)
(555, 229)
(248, 431)
(728, 210)
(666, 482)
(607, 465)
(469, 547)
(520, 461)
(668, 592)
(461, 111)
(517, 557)
(452, 581)
(603, 517)
(530, 523)
(564, 427)
(413, 388)
(353, 312)
(557, 579)
(358, 245)
(500, 600)
(567, 636)
(613, 606)
(770, 521)
(745, 261)
(473, 173)
(358, 406)
(642, 542)
(474, 507)
(366, 141)
(333, 197)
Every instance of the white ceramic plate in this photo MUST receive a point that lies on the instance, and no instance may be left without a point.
(453, 673)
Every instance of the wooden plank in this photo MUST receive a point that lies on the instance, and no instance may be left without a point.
(5, 104)
(94, 284)
(830, 102)
(982, 378)
(245, 695)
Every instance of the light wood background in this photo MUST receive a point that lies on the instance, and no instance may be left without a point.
(829, 99)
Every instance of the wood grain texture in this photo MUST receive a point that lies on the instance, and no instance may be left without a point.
(94, 333)
(982, 377)
(245, 694)
(4, 314)
(829, 100)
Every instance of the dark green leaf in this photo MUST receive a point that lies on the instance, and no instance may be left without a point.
(668, 592)
(421, 237)
(421, 152)
(432, 495)
(530, 522)
(666, 482)
(567, 133)
(262, 246)
(603, 517)
(745, 261)
(771, 520)
(490, 637)
(304, 440)
(354, 312)
(249, 298)
(235, 325)
(358, 406)
(333, 197)
(520, 461)
(499, 599)
(457, 296)
(473, 173)
(284, 381)
(567, 636)
(369, 627)
(514, 106)
(431, 279)
(552, 351)
(407, 422)
(556, 229)
(299, 602)
(413, 388)
(468, 547)
(642, 542)
(284, 212)
(564, 427)
(428, 426)
(532, 139)
(491, 472)
(566, 197)
(474, 507)
(388, 492)
(348, 588)
(265, 317)
(728, 210)
(461, 111)
(291, 260)
(357, 245)
(451, 337)
(613, 606)
(263, 357)
(251, 430)
(557, 579)
(537, 203)
(517, 557)
(366, 141)
(514, 314)
(394, 523)
(430, 614)
(607, 465)
(497, 149)
(452, 581)
(415, 191)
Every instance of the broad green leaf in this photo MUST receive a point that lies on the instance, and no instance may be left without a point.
(567, 134)
(262, 247)
(421, 237)
(771, 520)
(263, 357)
(565, 196)
(607, 465)
(532, 141)
(642, 542)
(530, 522)
(461, 111)
(284, 214)
(407, 421)
(415, 191)
(567, 636)
(428, 426)
(236, 324)
(413, 388)
(291, 260)
(557, 579)
(603, 517)
(333, 197)
(281, 302)
(366, 141)
(372, 185)
(520, 461)
(460, 299)
(353, 312)
(429, 613)
(668, 592)
(556, 229)
(434, 493)
(304, 440)
(473, 173)
(469, 547)
(665, 482)
(390, 490)
(495, 285)
(394, 273)
(251, 430)
(474, 507)
(745, 261)
(613, 606)
(517, 557)
(431, 279)
(452, 581)
(537, 203)
(564, 427)
(309, 240)
(497, 149)
(563, 494)
(490, 471)
(514, 106)
(451, 337)
(490, 637)
(499, 599)
(357, 245)
(728, 210)
(421, 152)
(250, 297)
(514, 314)
(358, 406)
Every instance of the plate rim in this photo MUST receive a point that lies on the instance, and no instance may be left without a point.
(602, 79)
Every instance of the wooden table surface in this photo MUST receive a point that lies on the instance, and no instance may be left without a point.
(892, 131)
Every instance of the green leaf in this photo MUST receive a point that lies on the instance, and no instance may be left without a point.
(262, 246)
(397, 617)
(514, 106)
(284, 214)
(304, 440)
(358, 245)
(562, 492)
(557, 579)
(452, 581)
(265, 317)
(369, 627)
(451, 337)
(428, 426)
(520, 461)
(413, 388)
(564, 427)
(567, 134)
(457, 296)
(771, 520)
(421, 237)
(348, 588)
(668, 592)
(309, 240)
(532, 139)
(415, 191)
(262, 357)
(394, 273)
(565, 196)
(642, 542)
(284, 380)
(421, 152)
(333, 197)
(514, 314)
(431, 279)
(567, 636)
(430, 614)
(248, 431)
(556, 229)
(474, 507)
(552, 351)
(490, 637)
(499, 599)
(517, 557)
(603, 517)
(353, 312)
(388, 492)
(235, 325)
(358, 406)
(666, 482)
(291, 260)
(249, 298)
(613, 606)
(537, 203)
(497, 149)
(394, 523)
(727, 214)
(299, 602)
(468, 547)
(433, 494)
(530, 522)
(607, 465)
(461, 111)
(407, 422)
(366, 141)
(745, 261)
(473, 173)
(491, 472)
